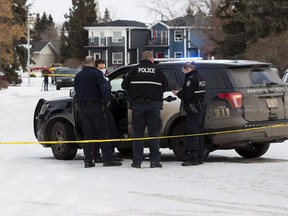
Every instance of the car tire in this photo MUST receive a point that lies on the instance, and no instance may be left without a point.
(57, 87)
(179, 144)
(36, 113)
(62, 131)
(256, 150)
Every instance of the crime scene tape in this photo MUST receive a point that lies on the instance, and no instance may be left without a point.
(137, 139)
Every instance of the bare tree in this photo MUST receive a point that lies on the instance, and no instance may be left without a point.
(269, 49)
(201, 14)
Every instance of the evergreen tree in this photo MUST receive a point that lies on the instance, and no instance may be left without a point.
(106, 17)
(82, 13)
(20, 18)
(247, 21)
(64, 48)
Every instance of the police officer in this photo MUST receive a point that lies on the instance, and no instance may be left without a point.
(100, 64)
(146, 84)
(192, 95)
(93, 97)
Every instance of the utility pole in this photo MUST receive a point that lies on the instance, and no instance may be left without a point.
(28, 43)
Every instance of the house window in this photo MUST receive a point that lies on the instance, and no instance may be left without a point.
(117, 58)
(92, 37)
(117, 37)
(164, 40)
(178, 35)
(102, 39)
(178, 55)
(159, 55)
(97, 56)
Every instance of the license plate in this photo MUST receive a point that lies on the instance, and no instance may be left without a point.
(271, 102)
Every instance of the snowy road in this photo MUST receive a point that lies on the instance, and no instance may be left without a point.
(33, 183)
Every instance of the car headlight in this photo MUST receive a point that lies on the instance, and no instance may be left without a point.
(72, 80)
(43, 109)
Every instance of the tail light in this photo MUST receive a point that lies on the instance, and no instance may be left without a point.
(234, 99)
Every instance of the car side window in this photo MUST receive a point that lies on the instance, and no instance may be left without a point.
(175, 79)
(117, 81)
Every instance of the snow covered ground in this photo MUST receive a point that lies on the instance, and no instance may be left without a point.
(33, 183)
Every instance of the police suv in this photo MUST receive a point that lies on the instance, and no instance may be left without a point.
(247, 109)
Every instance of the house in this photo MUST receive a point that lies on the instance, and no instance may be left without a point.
(178, 38)
(118, 42)
(43, 53)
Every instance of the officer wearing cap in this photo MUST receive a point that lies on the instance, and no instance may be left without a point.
(93, 96)
(146, 84)
(192, 95)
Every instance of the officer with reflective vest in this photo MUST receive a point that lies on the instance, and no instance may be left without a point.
(192, 95)
(146, 84)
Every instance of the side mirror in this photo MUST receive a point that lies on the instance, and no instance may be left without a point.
(72, 93)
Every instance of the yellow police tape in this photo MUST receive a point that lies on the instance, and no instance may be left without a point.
(144, 138)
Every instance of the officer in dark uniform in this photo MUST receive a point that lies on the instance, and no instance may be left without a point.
(193, 95)
(146, 84)
(93, 97)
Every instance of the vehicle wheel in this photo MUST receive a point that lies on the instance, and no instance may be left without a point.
(62, 131)
(179, 146)
(256, 150)
(36, 113)
(57, 87)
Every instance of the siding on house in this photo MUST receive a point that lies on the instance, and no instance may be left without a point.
(43, 54)
(117, 38)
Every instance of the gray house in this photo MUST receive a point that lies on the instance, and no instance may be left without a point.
(43, 53)
(118, 42)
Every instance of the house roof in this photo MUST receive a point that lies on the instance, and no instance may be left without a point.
(40, 45)
(181, 21)
(121, 23)
(191, 21)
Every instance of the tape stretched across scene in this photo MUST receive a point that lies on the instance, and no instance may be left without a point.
(138, 139)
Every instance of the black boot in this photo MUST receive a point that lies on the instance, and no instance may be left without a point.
(155, 165)
(112, 163)
(136, 164)
(88, 164)
(189, 163)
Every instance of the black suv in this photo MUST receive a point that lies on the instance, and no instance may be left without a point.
(240, 95)
(64, 77)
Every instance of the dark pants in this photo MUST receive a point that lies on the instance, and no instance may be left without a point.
(195, 144)
(45, 85)
(146, 114)
(112, 128)
(95, 126)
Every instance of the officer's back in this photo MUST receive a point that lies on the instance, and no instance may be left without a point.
(145, 81)
(91, 83)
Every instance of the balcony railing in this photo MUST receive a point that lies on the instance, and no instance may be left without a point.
(157, 42)
(97, 43)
